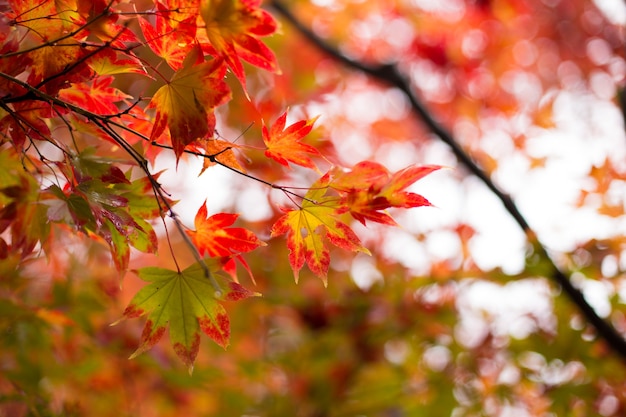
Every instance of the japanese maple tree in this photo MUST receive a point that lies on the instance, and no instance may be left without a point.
(258, 174)
(99, 181)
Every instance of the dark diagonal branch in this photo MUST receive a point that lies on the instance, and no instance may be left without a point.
(389, 74)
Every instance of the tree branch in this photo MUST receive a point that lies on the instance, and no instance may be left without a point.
(389, 74)
(104, 123)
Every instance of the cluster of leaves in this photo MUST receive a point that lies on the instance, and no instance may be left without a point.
(77, 145)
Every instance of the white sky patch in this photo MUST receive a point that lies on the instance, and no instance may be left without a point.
(363, 107)
(514, 309)
(183, 183)
(252, 203)
(395, 106)
(324, 3)
(352, 145)
(451, 10)
(405, 249)
(597, 294)
(499, 240)
(363, 272)
(586, 136)
(526, 86)
(614, 10)
(443, 244)
(399, 33)
(396, 156)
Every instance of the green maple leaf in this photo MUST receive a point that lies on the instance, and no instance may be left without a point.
(187, 302)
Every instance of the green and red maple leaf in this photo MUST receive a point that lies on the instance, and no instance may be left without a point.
(188, 304)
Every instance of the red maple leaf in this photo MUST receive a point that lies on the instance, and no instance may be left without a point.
(369, 189)
(233, 28)
(284, 145)
(214, 237)
(185, 104)
(97, 96)
(103, 22)
(171, 39)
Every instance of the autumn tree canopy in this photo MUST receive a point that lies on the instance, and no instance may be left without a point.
(378, 208)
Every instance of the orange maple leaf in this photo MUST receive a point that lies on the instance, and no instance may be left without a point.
(110, 62)
(369, 189)
(219, 151)
(307, 228)
(182, 14)
(233, 28)
(48, 26)
(97, 96)
(185, 104)
(102, 22)
(284, 145)
(214, 237)
(170, 39)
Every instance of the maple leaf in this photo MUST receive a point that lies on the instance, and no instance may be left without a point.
(107, 62)
(284, 145)
(101, 200)
(53, 60)
(317, 220)
(28, 120)
(369, 188)
(220, 151)
(187, 302)
(102, 22)
(40, 17)
(48, 26)
(213, 236)
(186, 103)
(14, 66)
(180, 13)
(96, 96)
(170, 43)
(20, 210)
(233, 28)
